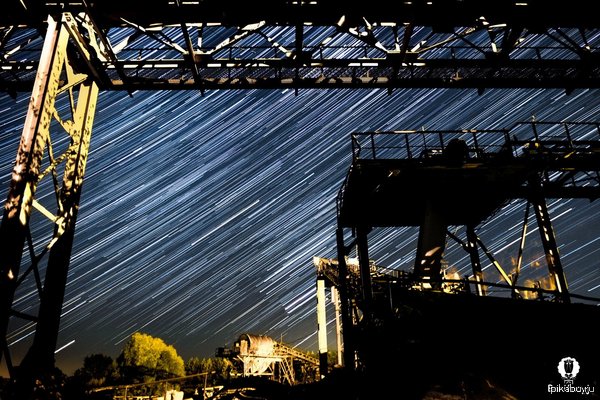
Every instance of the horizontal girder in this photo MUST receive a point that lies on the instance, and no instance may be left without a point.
(317, 44)
(276, 74)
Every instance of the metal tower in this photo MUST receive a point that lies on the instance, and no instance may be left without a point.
(436, 179)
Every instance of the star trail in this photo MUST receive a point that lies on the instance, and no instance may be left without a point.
(200, 215)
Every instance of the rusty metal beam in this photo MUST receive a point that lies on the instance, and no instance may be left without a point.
(57, 75)
(17, 208)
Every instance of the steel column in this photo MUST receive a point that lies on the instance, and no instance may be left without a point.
(41, 354)
(338, 324)
(347, 326)
(475, 261)
(56, 75)
(550, 248)
(17, 209)
(322, 326)
(365, 271)
(430, 247)
(521, 247)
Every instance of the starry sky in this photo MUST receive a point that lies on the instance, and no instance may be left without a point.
(200, 215)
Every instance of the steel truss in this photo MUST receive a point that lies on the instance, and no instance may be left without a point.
(262, 356)
(201, 45)
(63, 102)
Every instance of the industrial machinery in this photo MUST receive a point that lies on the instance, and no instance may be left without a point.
(260, 355)
(435, 180)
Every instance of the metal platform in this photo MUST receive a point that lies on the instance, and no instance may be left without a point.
(394, 176)
(448, 335)
(73, 49)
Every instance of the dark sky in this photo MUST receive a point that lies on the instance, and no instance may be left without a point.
(200, 215)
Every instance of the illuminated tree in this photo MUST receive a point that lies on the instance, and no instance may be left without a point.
(146, 358)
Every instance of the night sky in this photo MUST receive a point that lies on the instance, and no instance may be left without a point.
(200, 215)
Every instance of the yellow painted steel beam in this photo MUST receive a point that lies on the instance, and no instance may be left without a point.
(55, 76)
(17, 208)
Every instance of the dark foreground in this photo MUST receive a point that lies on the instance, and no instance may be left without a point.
(463, 347)
(342, 386)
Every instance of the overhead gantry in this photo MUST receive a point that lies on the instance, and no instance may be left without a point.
(202, 45)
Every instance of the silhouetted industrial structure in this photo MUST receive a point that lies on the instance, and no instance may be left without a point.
(64, 52)
(435, 180)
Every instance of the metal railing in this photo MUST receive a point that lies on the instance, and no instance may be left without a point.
(522, 138)
(552, 147)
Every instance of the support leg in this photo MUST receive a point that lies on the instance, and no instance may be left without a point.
(551, 249)
(365, 272)
(56, 75)
(17, 209)
(475, 261)
(430, 248)
(322, 326)
(335, 298)
(347, 326)
(41, 354)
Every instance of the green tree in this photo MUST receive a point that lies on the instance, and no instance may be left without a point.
(97, 370)
(146, 358)
(170, 362)
(193, 366)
